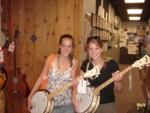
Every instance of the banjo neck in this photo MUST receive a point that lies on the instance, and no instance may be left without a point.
(96, 90)
(89, 73)
(51, 95)
(138, 63)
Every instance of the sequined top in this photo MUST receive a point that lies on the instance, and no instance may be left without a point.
(55, 81)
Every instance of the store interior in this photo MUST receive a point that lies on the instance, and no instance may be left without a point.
(36, 26)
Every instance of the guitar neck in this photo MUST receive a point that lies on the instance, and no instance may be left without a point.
(51, 95)
(96, 90)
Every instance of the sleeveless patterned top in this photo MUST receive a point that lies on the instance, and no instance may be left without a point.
(56, 81)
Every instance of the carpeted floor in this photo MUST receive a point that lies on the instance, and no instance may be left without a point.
(125, 100)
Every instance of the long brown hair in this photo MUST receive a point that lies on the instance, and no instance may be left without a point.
(71, 55)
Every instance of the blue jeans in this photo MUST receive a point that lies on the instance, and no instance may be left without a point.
(68, 108)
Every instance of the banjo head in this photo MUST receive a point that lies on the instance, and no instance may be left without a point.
(5, 38)
(86, 99)
(40, 102)
(89, 102)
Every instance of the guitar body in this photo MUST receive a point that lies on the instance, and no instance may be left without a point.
(17, 86)
(41, 103)
(3, 77)
(89, 102)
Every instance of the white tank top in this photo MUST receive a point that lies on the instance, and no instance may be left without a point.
(56, 81)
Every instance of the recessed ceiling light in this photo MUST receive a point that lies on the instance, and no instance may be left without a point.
(134, 11)
(134, 1)
(134, 18)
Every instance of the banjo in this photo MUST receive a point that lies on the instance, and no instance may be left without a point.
(43, 100)
(91, 99)
(5, 39)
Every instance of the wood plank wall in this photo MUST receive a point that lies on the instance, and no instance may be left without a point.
(47, 20)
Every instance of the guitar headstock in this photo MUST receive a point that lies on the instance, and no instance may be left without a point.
(92, 72)
(141, 62)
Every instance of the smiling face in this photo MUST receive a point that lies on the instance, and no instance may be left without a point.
(94, 51)
(66, 46)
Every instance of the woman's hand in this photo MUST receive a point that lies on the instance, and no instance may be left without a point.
(117, 76)
(118, 81)
(29, 105)
(75, 104)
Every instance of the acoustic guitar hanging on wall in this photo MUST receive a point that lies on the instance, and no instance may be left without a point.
(3, 77)
(17, 86)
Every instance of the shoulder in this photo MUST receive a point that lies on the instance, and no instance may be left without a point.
(85, 61)
(84, 65)
(51, 57)
(75, 60)
(112, 65)
(109, 60)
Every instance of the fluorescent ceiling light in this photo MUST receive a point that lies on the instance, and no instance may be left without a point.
(134, 11)
(134, 18)
(134, 1)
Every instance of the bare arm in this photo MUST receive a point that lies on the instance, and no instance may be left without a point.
(118, 81)
(73, 77)
(74, 101)
(38, 83)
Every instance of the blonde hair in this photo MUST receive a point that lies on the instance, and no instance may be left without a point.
(98, 42)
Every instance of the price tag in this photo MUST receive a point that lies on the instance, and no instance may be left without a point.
(11, 47)
(81, 88)
(1, 56)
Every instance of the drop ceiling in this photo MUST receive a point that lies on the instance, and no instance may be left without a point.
(121, 9)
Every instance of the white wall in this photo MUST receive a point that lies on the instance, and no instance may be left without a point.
(89, 6)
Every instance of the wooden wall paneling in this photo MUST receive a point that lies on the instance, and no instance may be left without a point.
(44, 29)
(39, 42)
(32, 49)
(29, 57)
(78, 30)
(0, 30)
(19, 25)
(54, 33)
(22, 33)
(2, 101)
(4, 18)
(45, 34)
(70, 16)
(47, 20)
(2, 104)
(48, 38)
(60, 14)
(14, 21)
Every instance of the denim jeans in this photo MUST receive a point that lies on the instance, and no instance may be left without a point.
(68, 108)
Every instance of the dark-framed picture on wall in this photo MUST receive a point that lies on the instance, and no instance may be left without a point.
(94, 20)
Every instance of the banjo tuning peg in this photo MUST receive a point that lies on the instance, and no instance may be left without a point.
(141, 68)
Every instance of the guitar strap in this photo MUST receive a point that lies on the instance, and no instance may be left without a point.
(87, 67)
(45, 81)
